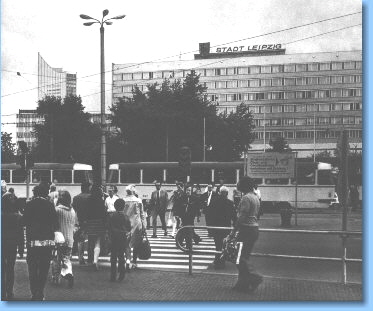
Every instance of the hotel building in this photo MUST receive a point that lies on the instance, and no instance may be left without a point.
(306, 98)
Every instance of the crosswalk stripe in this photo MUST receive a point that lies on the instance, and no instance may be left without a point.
(165, 254)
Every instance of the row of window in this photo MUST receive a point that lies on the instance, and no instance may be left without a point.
(309, 67)
(26, 135)
(279, 81)
(315, 107)
(306, 134)
(254, 96)
(308, 121)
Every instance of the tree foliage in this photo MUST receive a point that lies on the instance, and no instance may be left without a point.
(7, 148)
(67, 135)
(156, 123)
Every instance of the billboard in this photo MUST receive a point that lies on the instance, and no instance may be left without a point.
(270, 165)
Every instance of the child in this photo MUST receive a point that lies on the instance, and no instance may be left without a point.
(119, 232)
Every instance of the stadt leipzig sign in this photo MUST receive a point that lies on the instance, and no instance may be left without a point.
(270, 165)
(243, 48)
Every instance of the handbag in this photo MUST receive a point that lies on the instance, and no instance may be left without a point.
(232, 248)
(144, 250)
(169, 220)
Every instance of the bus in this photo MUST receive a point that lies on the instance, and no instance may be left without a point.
(68, 176)
(313, 187)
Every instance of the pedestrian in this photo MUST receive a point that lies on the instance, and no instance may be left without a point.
(248, 232)
(53, 194)
(158, 203)
(109, 201)
(189, 211)
(10, 193)
(147, 212)
(223, 216)
(177, 207)
(3, 187)
(119, 226)
(95, 224)
(40, 219)
(259, 195)
(135, 211)
(80, 205)
(207, 201)
(67, 224)
(12, 237)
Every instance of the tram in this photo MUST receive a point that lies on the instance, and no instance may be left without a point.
(68, 176)
(313, 187)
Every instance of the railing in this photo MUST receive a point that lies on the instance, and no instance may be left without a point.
(344, 235)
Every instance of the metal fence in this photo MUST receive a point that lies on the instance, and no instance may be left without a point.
(344, 235)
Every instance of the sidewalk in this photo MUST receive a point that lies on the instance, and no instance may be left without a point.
(150, 285)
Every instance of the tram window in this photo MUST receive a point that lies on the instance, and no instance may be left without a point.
(305, 175)
(84, 176)
(130, 175)
(258, 181)
(61, 176)
(227, 175)
(151, 175)
(201, 175)
(19, 176)
(113, 176)
(5, 175)
(276, 181)
(325, 177)
(40, 175)
(172, 175)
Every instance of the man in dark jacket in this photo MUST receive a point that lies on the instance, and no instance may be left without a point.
(119, 226)
(40, 219)
(208, 201)
(188, 211)
(223, 215)
(158, 205)
(79, 204)
(11, 238)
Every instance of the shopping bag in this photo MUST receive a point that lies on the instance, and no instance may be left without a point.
(144, 250)
(232, 248)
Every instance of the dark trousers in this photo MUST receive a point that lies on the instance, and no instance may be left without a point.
(118, 246)
(8, 260)
(162, 216)
(38, 261)
(246, 273)
(189, 234)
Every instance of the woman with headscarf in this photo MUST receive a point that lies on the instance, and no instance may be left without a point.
(135, 211)
(248, 232)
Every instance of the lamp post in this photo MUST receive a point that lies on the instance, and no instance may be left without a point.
(102, 71)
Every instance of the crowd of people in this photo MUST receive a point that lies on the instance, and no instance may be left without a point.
(57, 225)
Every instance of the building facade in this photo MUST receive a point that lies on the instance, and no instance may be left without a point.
(25, 122)
(54, 81)
(305, 98)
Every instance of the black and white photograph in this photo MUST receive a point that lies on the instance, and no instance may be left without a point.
(182, 151)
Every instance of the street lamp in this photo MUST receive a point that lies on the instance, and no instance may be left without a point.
(102, 71)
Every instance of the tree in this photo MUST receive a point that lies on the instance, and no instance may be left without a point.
(67, 134)
(7, 148)
(279, 144)
(156, 123)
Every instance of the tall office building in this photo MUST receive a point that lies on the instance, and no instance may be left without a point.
(306, 98)
(54, 81)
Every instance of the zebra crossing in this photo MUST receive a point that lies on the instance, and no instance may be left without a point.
(165, 254)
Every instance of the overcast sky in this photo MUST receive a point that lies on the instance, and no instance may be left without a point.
(151, 30)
